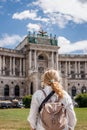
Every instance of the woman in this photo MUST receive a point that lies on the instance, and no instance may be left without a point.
(52, 81)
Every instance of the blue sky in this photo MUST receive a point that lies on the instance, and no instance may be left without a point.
(65, 18)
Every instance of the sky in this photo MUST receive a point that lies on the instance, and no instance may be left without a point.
(67, 19)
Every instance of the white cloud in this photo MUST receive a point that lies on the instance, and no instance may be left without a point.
(42, 19)
(29, 14)
(33, 27)
(66, 47)
(9, 41)
(25, 15)
(62, 11)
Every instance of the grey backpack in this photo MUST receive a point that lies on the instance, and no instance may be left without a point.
(52, 114)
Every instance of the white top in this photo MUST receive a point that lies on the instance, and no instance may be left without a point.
(37, 99)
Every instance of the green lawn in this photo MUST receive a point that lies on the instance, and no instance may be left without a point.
(81, 114)
(16, 119)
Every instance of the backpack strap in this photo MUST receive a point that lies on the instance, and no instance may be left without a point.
(44, 93)
(46, 99)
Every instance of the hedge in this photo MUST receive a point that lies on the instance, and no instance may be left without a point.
(81, 99)
(27, 101)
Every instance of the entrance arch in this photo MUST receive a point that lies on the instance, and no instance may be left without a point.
(42, 62)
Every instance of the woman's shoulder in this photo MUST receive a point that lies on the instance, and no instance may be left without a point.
(43, 91)
(67, 98)
(37, 93)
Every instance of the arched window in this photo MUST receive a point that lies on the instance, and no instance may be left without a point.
(31, 88)
(41, 57)
(83, 90)
(6, 90)
(17, 91)
(73, 91)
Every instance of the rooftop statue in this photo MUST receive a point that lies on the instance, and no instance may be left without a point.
(42, 33)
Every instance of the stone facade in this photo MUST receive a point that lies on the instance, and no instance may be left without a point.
(74, 68)
(12, 73)
(21, 69)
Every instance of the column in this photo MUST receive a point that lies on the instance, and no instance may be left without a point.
(79, 69)
(65, 77)
(14, 66)
(20, 66)
(52, 58)
(66, 68)
(10, 66)
(76, 69)
(59, 65)
(3, 65)
(35, 59)
(0, 65)
(69, 70)
(23, 67)
(57, 60)
(30, 59)
(11, 94)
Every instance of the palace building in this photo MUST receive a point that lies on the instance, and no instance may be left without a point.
(21, 68)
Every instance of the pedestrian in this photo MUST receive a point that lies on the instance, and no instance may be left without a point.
(51, 81)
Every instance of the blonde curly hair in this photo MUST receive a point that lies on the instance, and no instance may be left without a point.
(52, 78)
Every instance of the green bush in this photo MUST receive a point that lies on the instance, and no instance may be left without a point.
(27, 101)
(81, 99)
